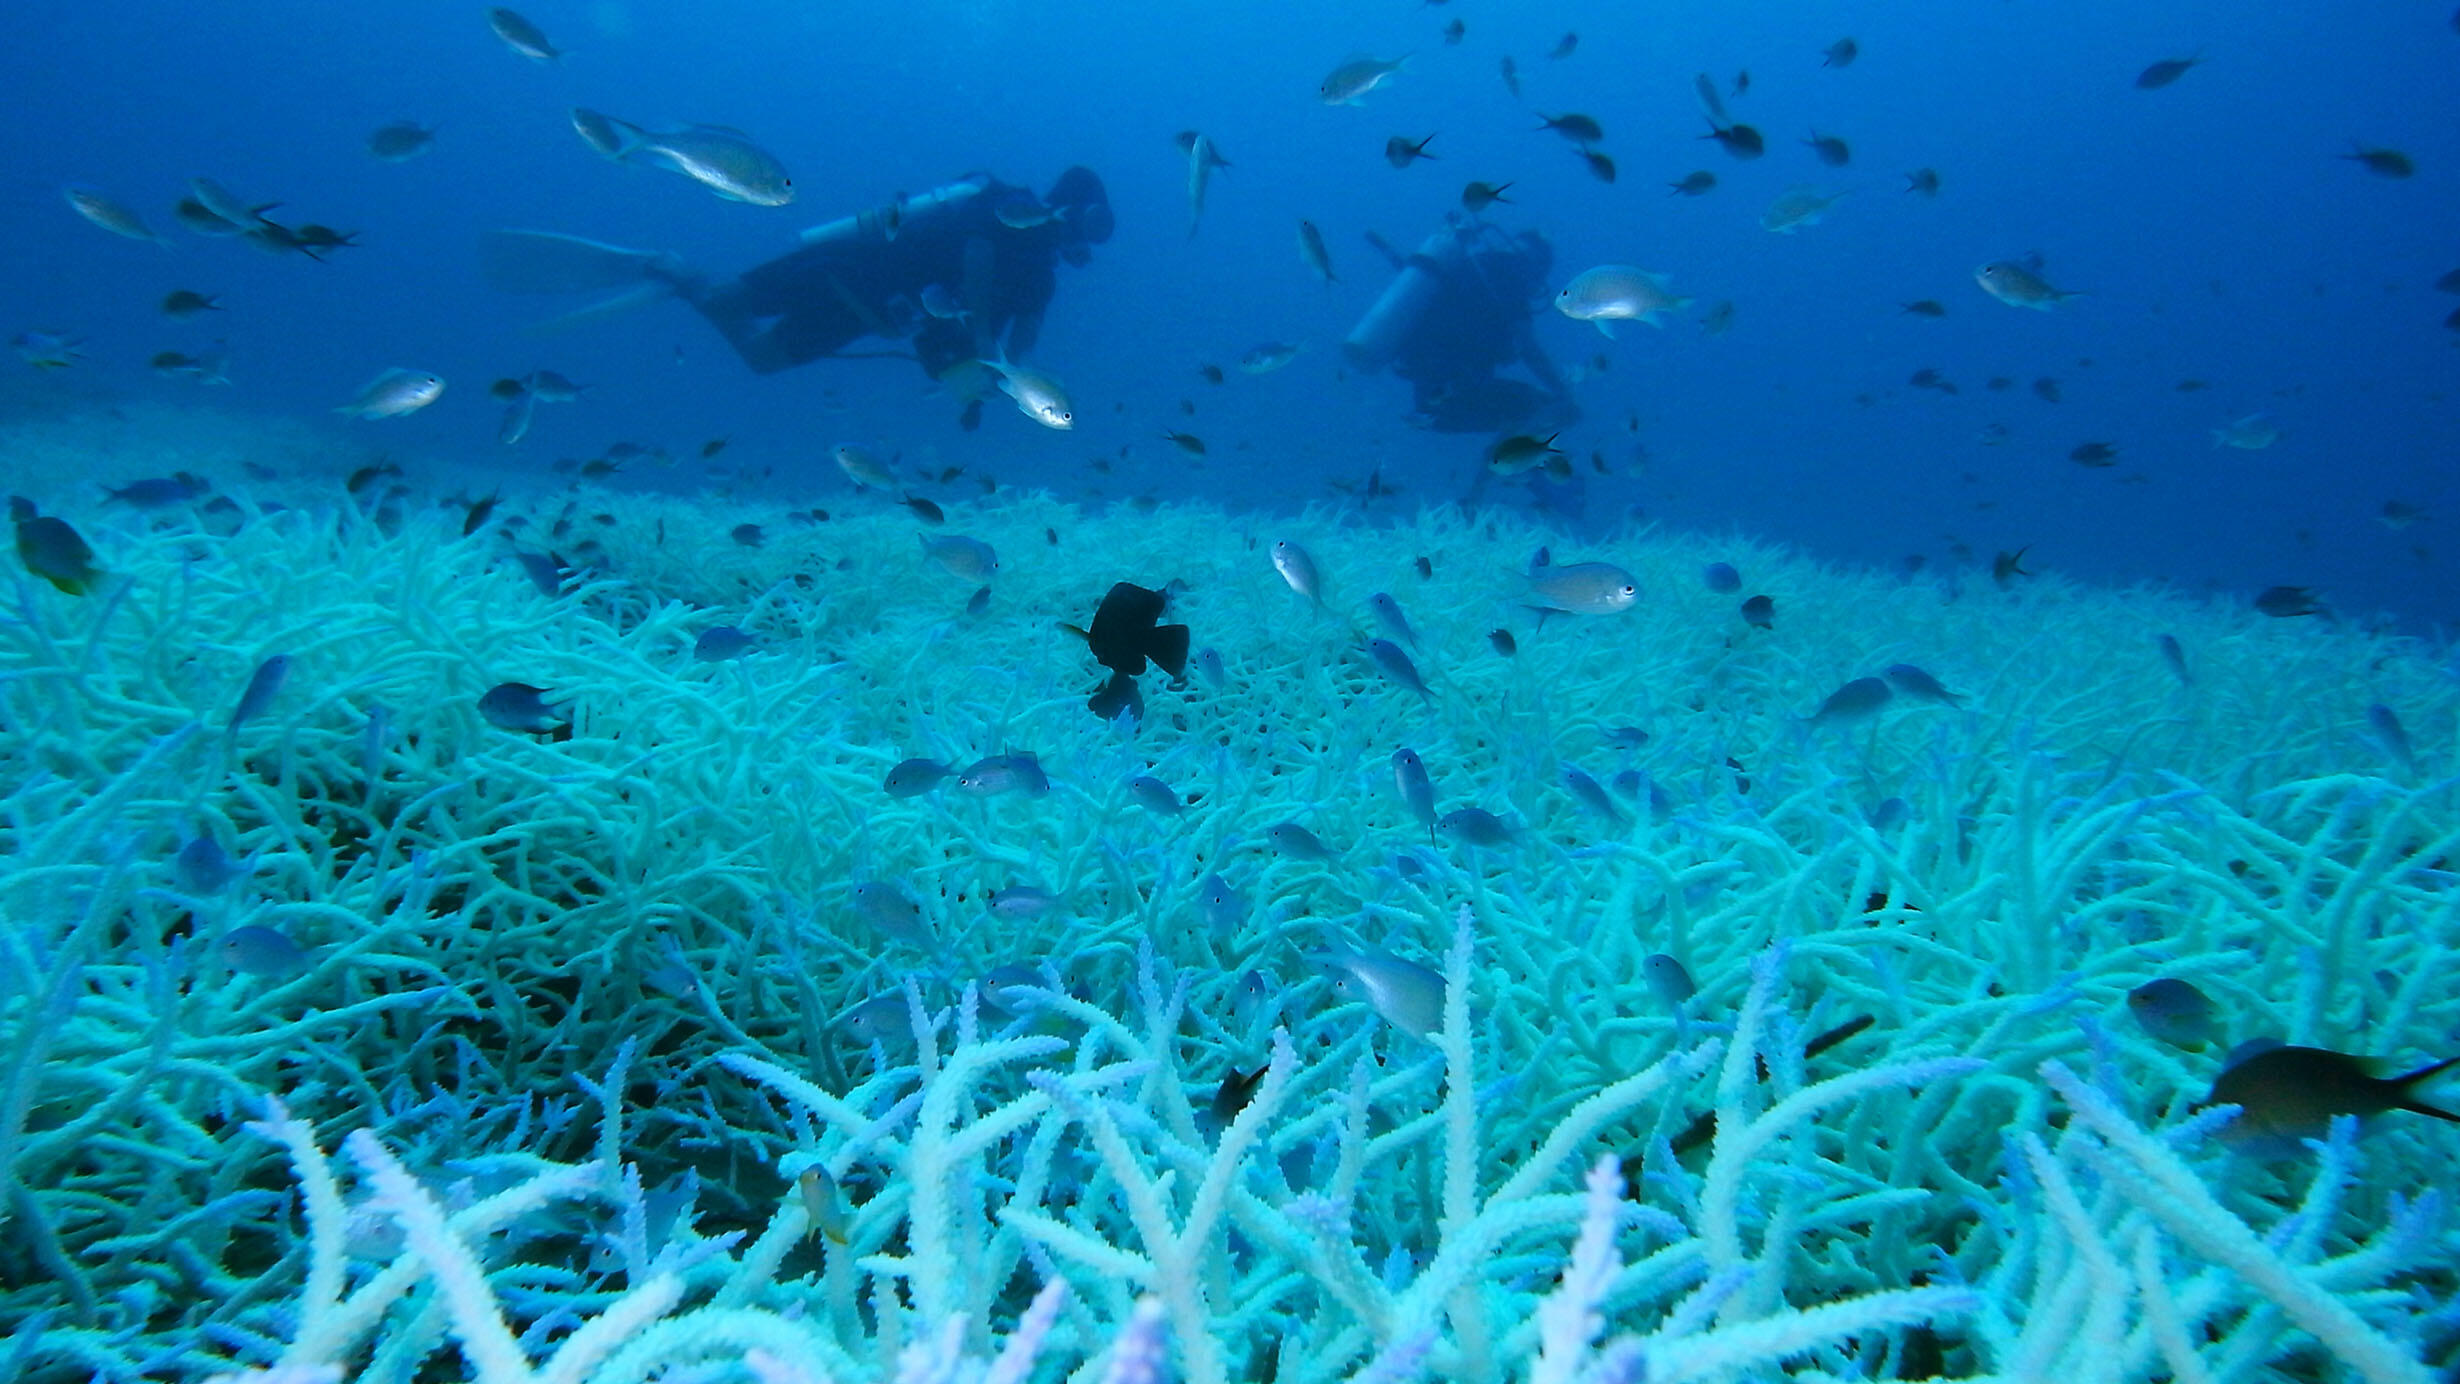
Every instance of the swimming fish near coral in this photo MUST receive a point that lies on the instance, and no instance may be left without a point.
(1581, 588)
(53, 550)
(914, 777)
(2288, 1094)
(1298, 569)
(1857, 701)
(1408, 996)
(1016, 772)
(2175, 1012)
(1417, 789)
(1126, 635)
(1912, 682)
(518, 706)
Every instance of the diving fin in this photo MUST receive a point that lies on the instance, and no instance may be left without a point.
(602, 309)
(552, 262)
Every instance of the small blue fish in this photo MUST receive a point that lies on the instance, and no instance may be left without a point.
(1889, 814)
(1408, 996)
(519, 706)
(1001, 988)
(263, 952)
(1223, 908)
(1502, 642)
(1298, 569)
(1721, 578)
(1388, 614)
(882, 1019)
(914, 777)
(1760, 612)
(1154, 796)
(1855, 702)
(2175, 1012)
(1396, 665)
(720, 643)
(1417, 790)
(545, 571)
(979, 602)
(1589, 793)
(1475, 826)
(372, 741)
(203, 868)
(1667, 980)
(2392, 736)
(2176, 657)
(158, 492)
(1019, 772)
(1295, 842)
(1626, 738)
(893, 913)
(263, 686)
(968, 558)
(1022, 901)
(1208, 668)
(1921, 686)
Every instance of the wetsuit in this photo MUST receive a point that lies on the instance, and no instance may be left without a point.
(988, 256)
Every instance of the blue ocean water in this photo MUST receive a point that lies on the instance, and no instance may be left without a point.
(2213, 227)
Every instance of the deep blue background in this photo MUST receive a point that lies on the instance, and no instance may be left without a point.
(2214, 229)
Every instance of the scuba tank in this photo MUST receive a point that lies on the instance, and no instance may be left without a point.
(883, 222)
(1379, 335)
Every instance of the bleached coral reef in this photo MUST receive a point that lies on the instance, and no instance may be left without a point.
(591, 1058)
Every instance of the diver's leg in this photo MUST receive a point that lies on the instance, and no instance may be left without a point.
(728, 307)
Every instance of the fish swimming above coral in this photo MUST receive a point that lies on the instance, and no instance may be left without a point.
(1125, 636)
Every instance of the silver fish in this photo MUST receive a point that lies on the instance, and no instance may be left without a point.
(893, 913)
(1396, 665)
(1583, 588)
(523, 37)
(1417, 789)
(1408, 996)
(394, 393)
(1355, 78)
(968, 558)
(1312, 252)
(2020, 284)
(103, 210)
(1265, 359)
(867, 472)
(1298, 569)
(1612, 293)
(1038, 396)
(719, 158)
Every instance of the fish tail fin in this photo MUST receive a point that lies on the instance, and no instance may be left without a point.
(1169, 649)
(2415, 1104)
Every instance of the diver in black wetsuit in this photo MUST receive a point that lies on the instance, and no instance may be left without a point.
(1459, 313)
(961, 273)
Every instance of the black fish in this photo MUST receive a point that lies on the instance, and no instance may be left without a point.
(1236, 1090)
(1742, 141)
(2292, 1093)
(1125, 636)
(2288, 602)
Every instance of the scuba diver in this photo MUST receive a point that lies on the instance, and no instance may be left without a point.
(1462, 309)
(964, 272)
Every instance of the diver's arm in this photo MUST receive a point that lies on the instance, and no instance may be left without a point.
(1540, 365)
(1024, 330)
